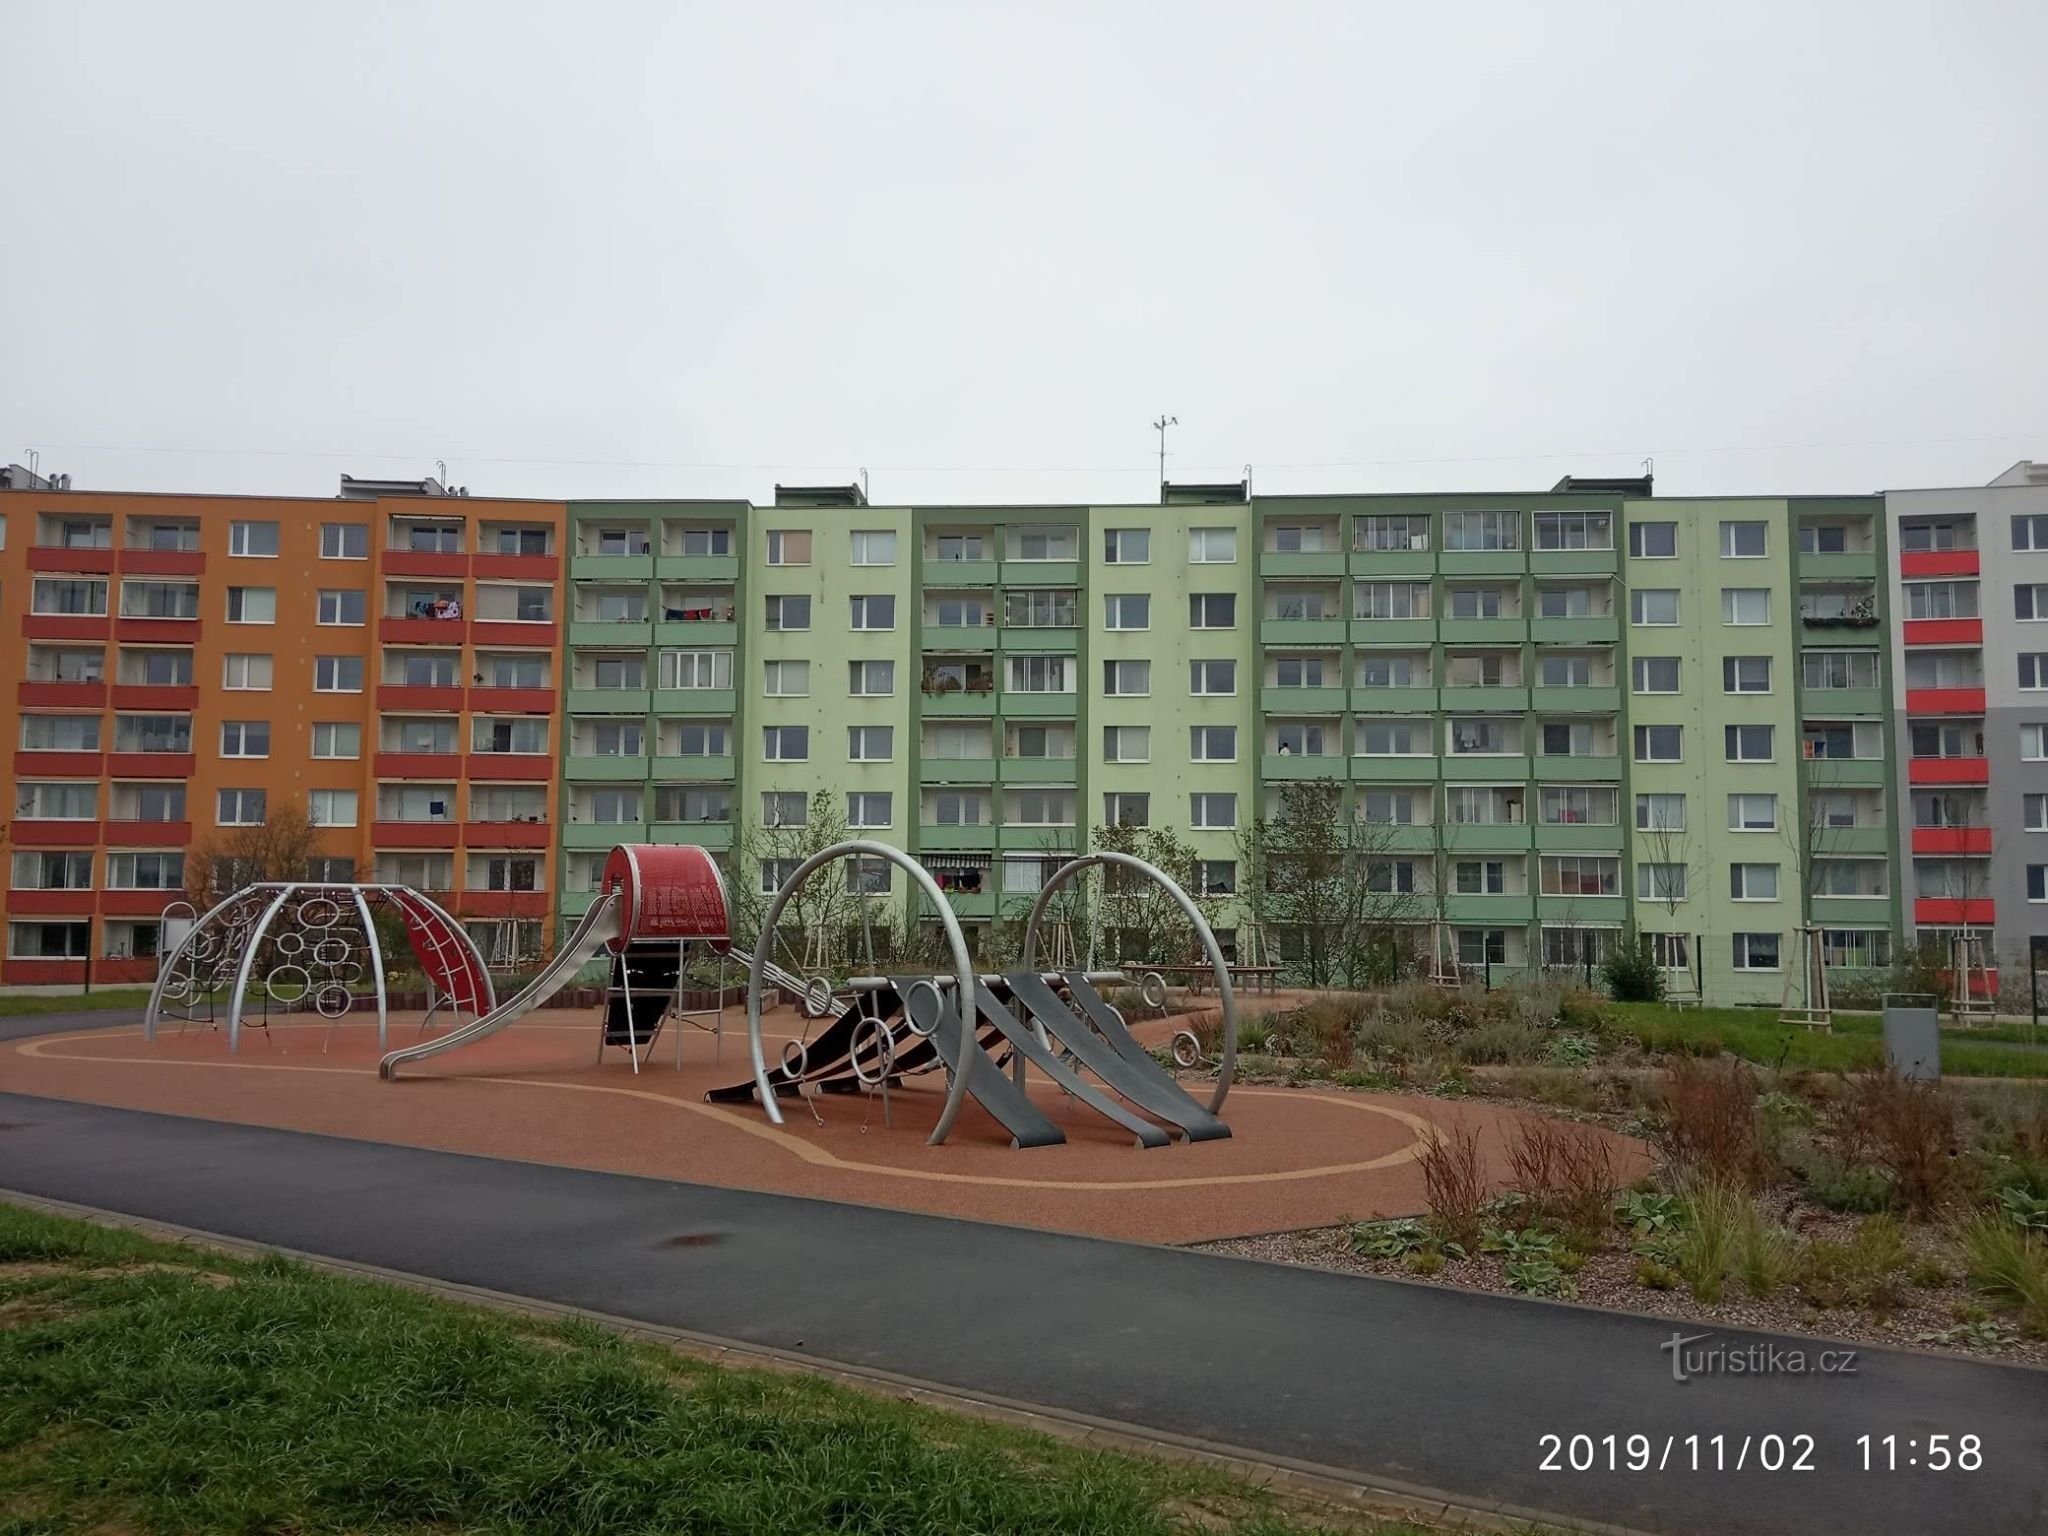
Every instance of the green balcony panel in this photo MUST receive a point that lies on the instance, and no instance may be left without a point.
(1577, 838)
(711, 569)
(1037, 839)
(1377, 563)
(1038, 705)
(1394, 701)
(694, 769)
(608, 634)
(1486, 768)
(1023, 637)
(1406, 634)
(1036, 573)
(1399, 839)
(937, 839)
(1505, 632)
(625, 569)
(1587, 631)
(1324, 563)
(608, 701)
(1579, 770)
(944, 575)
(975, 903)
(1474, 837)
(1482, 562)
(1846, 842)
(1573, 562)
(582, 835)
(1302, 701)
(1581, 701)
(1301, 765)
(576, 903)
(1479, 701)
(1492, 911)
(1591, 910)
(717, 836)
(958, 770)
(696, 634)
(1393, 770)
(1040, 770)
(1844, 567)
(1322, 633)
(606, 769)
(1854, 911)
(1847, 772)
(968, 705)
(1840, 637)
(717, 702)
(1843, 703)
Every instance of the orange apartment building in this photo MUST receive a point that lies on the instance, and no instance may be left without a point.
(387, 661)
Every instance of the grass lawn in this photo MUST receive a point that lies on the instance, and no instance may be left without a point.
(13, 1004)
(1857, 1042)
(146, 1387)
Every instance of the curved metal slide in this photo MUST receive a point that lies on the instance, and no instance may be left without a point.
(599, 927)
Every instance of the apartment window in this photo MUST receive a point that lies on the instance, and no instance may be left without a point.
(1749, 743)
(259, 539)
(152, 733)
(616, 738)
(1390, 877)
(1574, 530)
(1653, 607)
(957, 548)
(2033, 743)
(1042, 544)
(159, 600)
(1482, 530)
(60, 733)
(789, 612)
(62, 595)
(784, 808)
(1127, 810)
(786, 679)
(1577, 805)
(786, 743)
(1212, 679)
(145, 871)
(867, 877)
(344, 541)
(1861, 738)
(252, 605)
(1127, 743)
(56, 871)
(1658, 743)
(2030, 601)
(2037, 882)
(1387, 807)
(1212, 610)
(872, 612)
(1569, 738)
(776, 873)
(49, 941)
(1298, 738)
(1753, 882)
(243, 671)
(2030, 531)
(331, 807)
(1398, 532)
(875, 546)
(960, 808)
(1660, 813)
(1298, 672)
(1127, 610)
(1756, 951)
(957, 743)
(152, 803)
(870, 743)
(241, 808)
(337, 674)
(789, 546)
(1212, 546)
(1653, 541)
(342, 607)
(1941, 599)
(1212, 811)
(1745, 674)
(1660, 882)
(1471, 877)
(56, 802)
(337, 739)
(1475, 602)
(702, 740)
(245, 738)
(1041, 674)
(1379, 737)
(870, 679)
(1581, 875)
(1839, 669)
(1127, 679)
(1564, 672)
(1045, 608)
(622, 541)
(1745, 605)
(1390, 600)
(1569, 603)
(1482, 946)
(2034, 670)
(1212, 743)
(1850, 877)
(2036, 808)
(1753, 813)
(1305, 539)
(867, 811)
(1040, 808)
(1482, 805)
(1744, 541)
(1216, 877)
(1937, 740)
(685, 671)
(1380, 669)
(1126, 546)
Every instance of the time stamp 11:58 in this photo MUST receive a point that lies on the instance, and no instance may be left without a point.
(1936, 1453)
(1765, 1453)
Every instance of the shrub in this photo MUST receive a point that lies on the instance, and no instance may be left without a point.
(1706, 1249)
(1839, 1186)
(1581, 1008)
(1538, 1277)
(1454, 1183)
(1710, 1122)
(1572, 1051)
(1390, 1239)
(1653, 1276)
(1649, 1213)
(1632, 973)
(1864, 1271)
(1767, 1256)
(2023, 1209)
(2010, 1265)
(1567, 1171)
(1906, 1127)
(1502, 1042)
(1424, 1261)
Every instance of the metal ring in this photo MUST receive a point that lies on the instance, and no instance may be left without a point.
(817, 998)
(178, 986)
(331, 951)
(333, 1001)
(1152, 988)
(319, 912)
(1187, 1050)
(289, 943)
(205, 946)
(803, 1059)
(910, 1009)
(305, 984)
(348, 972)
(885, 1050)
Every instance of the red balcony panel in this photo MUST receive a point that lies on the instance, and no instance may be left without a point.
(425, 562)
(55, 834)
(66, 626)
(148, 834)
(61, 695)
(1948, 770)
(137, 903)
(507, 834)
(49, 903)
(1976, 840)
(413, 834)
(1944, 701)
(535, 568)
(162, 562)
(434, 767)
(95, 562)
(513, 701)
(1951, 911)
(1938, 562)
(124, 970)
(413, 697)
(497, 767)
(502, 904)
(1943, 631)
(515, 632)
(149, 765)
(58, 765)
(48, 973)
(154, 696)
(158, 631)
(421, 631)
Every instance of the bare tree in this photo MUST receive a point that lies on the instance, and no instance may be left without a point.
(1332, 879)
(1685, 876)
(824, 905)
(1143, 921)
(280, 847)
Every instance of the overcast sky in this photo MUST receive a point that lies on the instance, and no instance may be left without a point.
(590, 249)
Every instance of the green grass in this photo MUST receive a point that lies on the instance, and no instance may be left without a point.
(1856, 1044)
(152, 1388)
(13, 1004)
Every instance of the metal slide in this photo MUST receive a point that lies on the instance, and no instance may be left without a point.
(1027, 1125)
(1112, 1054)
(599, 927)
(1025, 1041)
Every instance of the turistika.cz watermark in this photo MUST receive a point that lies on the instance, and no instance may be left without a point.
(1692, 1356)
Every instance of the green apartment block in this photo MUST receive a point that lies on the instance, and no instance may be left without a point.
(1561, 713)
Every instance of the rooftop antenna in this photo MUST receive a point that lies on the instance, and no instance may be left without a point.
(1247, 482)
(34, 458)
(1160, 427)
(863, 483)
(441, 465)
(1650, 468)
